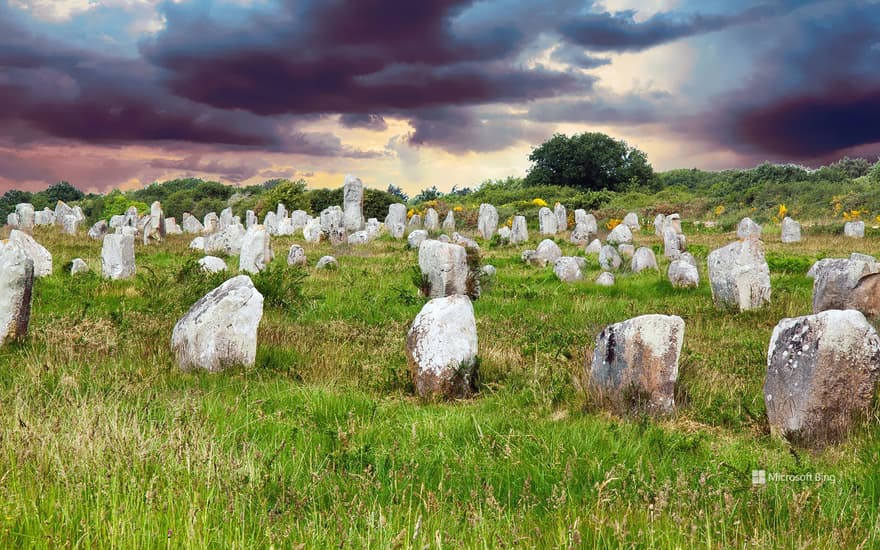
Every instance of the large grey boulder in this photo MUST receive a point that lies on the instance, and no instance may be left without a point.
(70, 224)
(197, 244)
(568, 269)
(35, 251)
(191, 224)
(312, 231)
(674, 221)
(16, 289)
(643, 259)
(297, 256)
(256, 250)
(12, 220)
(605, 279)
(683, 274)
(626, 250)
(445, 267)
(631, 220)
(281, 211)
(546, 253)
(487, 222)
(117, 256)
(220, 330)
(561, 217)
(581, 234)
(791, 231)
(821, 374)
(594, 247)
(519, 232)
(171, 227)
(635, 363)
(432, 220)
(358, 237)
(621, 234)
(395, 221)
(609, 259)
(352, 203)
(739, 275)
(855, 230)
(547, 222)
(44, 217)
(212, 264)
(327, 262)
(331, 218)
(26, 216)
(250, 219)
(78, 265)
(748, 229)
(373, 228)
(441, 348)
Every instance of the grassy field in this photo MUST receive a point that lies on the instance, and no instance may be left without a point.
(105, 443)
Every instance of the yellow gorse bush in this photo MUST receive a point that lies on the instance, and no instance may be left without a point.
(612, 223)
(458, 209)
(854, 215)
(781, 212)
(719, 210)
(539, 202)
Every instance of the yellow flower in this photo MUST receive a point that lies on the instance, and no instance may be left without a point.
(458, 209)
(509, 222)
(539, 202)
(719, 210)
(783, 210)
(612, 223)
(409, 213)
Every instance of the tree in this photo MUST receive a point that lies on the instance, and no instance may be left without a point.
(292, 194)
(397, 192)
(589, 161)
(853, 168)
(429, 194)
(62, 191)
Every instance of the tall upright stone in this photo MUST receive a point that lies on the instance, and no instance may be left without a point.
(191, 224)
(225, 218)
(739, 275)
(16, 289)
(38, 254)
(117, 256)
(395, 221)
(256, 250)
(154, 230)
(445, 266)
(547, 222)
(855, 230)
(449, 223)
(561, 217)
(26, 217)
(212, 223)
(519, 232)
(631, 220)
(791, 231)
(352, 203)
(432, 220)
(487, 222)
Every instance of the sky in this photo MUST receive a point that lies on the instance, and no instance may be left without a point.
(122, 93)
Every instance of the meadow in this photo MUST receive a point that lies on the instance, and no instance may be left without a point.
(104, 442)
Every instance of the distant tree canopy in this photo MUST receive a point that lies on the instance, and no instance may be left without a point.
(590, 161)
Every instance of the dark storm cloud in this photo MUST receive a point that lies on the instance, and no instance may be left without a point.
(368, 121)
(619, 32)
(577, 57)
(815, 96)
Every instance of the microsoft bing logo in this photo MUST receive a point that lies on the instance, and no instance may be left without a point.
(759, 477)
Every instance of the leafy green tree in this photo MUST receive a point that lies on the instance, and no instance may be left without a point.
(62, 191)
(874, 174)
(589, 161)
(117, 203)
(853, 168)
(322, 198)
(376, 203)
(292, 194)
(10, 199)
(429, 194)
(397, 192)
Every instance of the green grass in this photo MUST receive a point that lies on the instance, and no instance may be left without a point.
(105, 443)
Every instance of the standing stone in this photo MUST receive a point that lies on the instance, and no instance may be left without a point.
(225, 218)
(674, 221)
(97, 231)
(445, 266)
(621, 234)
(487, 222)
(285, 227)
(299, 219)
(171, 227)
(659, 225)
(327, 262)
(26, 219)
(212, 264)
(588, 220)
(683, 274)
(191, 224)
(256, 250)
(488, 270)
(16, 289)
(739, 275)
(35, 251)
(449, 222)
(635, 363)
(791, 231)
(250, 218)
(547, 222)
(580, 216)
(747, 229)
(561, 217)
(226, 241)
(297, 256)
(212, 223)
(119, 220)
(352, 203)
(77, 266)
(220, 330)
(270, 222)
(519, 233)
(626, 250)
(594, 247)
(821, 374)
(154, 230)
(568, 269)
(359, 237)
(605, 279)
(504, 233)
(69, 224)
(131, 217)
(631, 220)
(395, 221)
(414, 240)
(643, 259)
(432, 220)
(117, 256)
(61, 210)
(546, 253)
(331, 218)
(415, 221)
(197, 244)
(337, 236)
(855, 230)
(312, 231)
(672, 243)
(609, 258)
(441, 348)
(374, 228)
(688, 258)
(44, 217)
(12, 220)
(281, 211)
(581, 235)
(846, 283)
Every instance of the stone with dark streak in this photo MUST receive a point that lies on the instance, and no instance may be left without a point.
(445, 267)
(16, 289)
